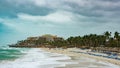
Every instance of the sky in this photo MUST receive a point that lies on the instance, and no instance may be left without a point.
(20, 19)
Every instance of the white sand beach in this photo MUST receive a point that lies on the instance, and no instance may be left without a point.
(36, 58)
(58, 58)
(84, 60)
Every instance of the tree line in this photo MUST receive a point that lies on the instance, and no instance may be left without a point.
(87, 41)
(91, 40)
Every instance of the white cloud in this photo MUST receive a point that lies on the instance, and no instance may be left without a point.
(66, 17)
(60, 17)
(30, 24)
(86, 7)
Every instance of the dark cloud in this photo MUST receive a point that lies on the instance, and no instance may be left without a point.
(85, 11)
(61, 17)
(9, 9)
(89, 8)
(111, 0)
(93, 10)
(96, 8)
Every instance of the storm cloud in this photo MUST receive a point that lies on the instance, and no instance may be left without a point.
(19, 19)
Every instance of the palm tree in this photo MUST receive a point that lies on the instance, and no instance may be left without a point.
(116, 37)
(107, 35)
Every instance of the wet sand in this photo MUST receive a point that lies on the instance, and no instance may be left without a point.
(84, 60)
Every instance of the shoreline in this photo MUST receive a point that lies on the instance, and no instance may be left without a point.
(74, 55)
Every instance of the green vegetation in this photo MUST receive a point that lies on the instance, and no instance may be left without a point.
(94, 40)
(86, 41)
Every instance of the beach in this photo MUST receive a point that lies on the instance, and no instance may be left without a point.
(32, 58)
(84, 60)
(52, 58)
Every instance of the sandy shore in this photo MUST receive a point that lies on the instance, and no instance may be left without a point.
(75, 55)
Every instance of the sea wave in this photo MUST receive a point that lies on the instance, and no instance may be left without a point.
(37, 58)
(7, 53)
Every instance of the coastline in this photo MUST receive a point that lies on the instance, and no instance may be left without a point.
(74, 55)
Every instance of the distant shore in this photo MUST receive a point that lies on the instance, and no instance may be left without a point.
(69, 52)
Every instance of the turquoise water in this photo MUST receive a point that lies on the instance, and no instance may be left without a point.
(7, 53)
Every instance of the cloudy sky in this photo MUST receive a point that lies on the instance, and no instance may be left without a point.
(22, 18)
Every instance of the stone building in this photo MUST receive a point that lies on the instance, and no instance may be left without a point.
(49, 37)
(46, 37)
(32, 38)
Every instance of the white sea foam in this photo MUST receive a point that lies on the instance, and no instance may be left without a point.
(36, 58)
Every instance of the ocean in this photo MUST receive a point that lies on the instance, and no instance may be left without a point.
(30, 58)
(37, 58)
(7, 53)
